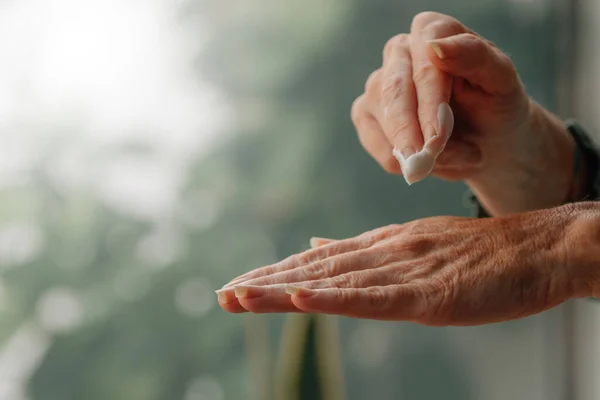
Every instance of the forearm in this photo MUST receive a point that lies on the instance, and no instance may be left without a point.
(535, 177)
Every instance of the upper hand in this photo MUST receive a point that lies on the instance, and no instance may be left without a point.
(443, 62)
(435, 271)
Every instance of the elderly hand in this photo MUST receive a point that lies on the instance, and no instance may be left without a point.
(435, 271)
(515, 155)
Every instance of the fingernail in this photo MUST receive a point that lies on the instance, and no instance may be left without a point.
(298, 291)
(437, 48)
(445, 120)
(225, 296)
(318, 242)
(240, 292)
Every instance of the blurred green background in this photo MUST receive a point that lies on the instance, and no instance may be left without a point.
(152, 150)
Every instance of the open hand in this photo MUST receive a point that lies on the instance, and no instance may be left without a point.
(435, 271)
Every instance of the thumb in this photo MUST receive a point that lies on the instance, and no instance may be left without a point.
(476, 60)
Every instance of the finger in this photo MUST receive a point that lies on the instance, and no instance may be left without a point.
(476, 60)
(398, 98)
(432, 85)
(229, 302)
(372, 137)
(397, 302)
(338, 247)
(391, 274)
(265, 299)
(318, 242)
(328, 267)
(305, 258)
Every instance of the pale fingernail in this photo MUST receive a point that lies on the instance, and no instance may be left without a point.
(439, 138)
(318, 242)
(241, 292)
(445, 120)
(298, 291)
(437, 48)
(225, 296)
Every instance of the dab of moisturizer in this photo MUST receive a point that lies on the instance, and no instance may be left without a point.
(418, 166)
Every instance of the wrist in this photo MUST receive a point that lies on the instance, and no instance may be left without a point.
(531, 170)
(582, 247)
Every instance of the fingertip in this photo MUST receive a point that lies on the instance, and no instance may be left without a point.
(225, 296)
(318, 242)
(437, 49)
(228, 302)
(234, 308)
(445, 120)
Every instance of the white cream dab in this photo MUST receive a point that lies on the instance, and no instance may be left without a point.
(418, 166)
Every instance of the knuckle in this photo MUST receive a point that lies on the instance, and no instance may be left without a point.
(376, 297)
(401, 117)
(371, 237)
(385, 258)
(480, 50)
(394, 87)
(442, 28)
(508, 65)
(343, 281)
(417, 227)
(385, 232)
(317, 270)
(394, 43)
(358, 111)
(373, 80)
(421, 20)
(476, 40)
(401, 126)
(425, 74)
(306, 258)
(420, 244)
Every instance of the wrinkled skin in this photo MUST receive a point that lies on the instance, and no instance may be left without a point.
(435, 271)
(504, 145)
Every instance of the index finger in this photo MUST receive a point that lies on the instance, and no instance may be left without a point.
(399, 119)
(433, 86)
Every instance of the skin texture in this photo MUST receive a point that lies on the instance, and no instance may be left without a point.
(516, 156)
(436, 271)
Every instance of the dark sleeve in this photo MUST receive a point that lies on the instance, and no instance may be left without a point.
(590, 153)
(592, 157)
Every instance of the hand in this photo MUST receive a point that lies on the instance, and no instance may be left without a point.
(515, 155)
(435, 271)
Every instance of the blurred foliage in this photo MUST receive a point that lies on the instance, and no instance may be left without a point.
(115, 306)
